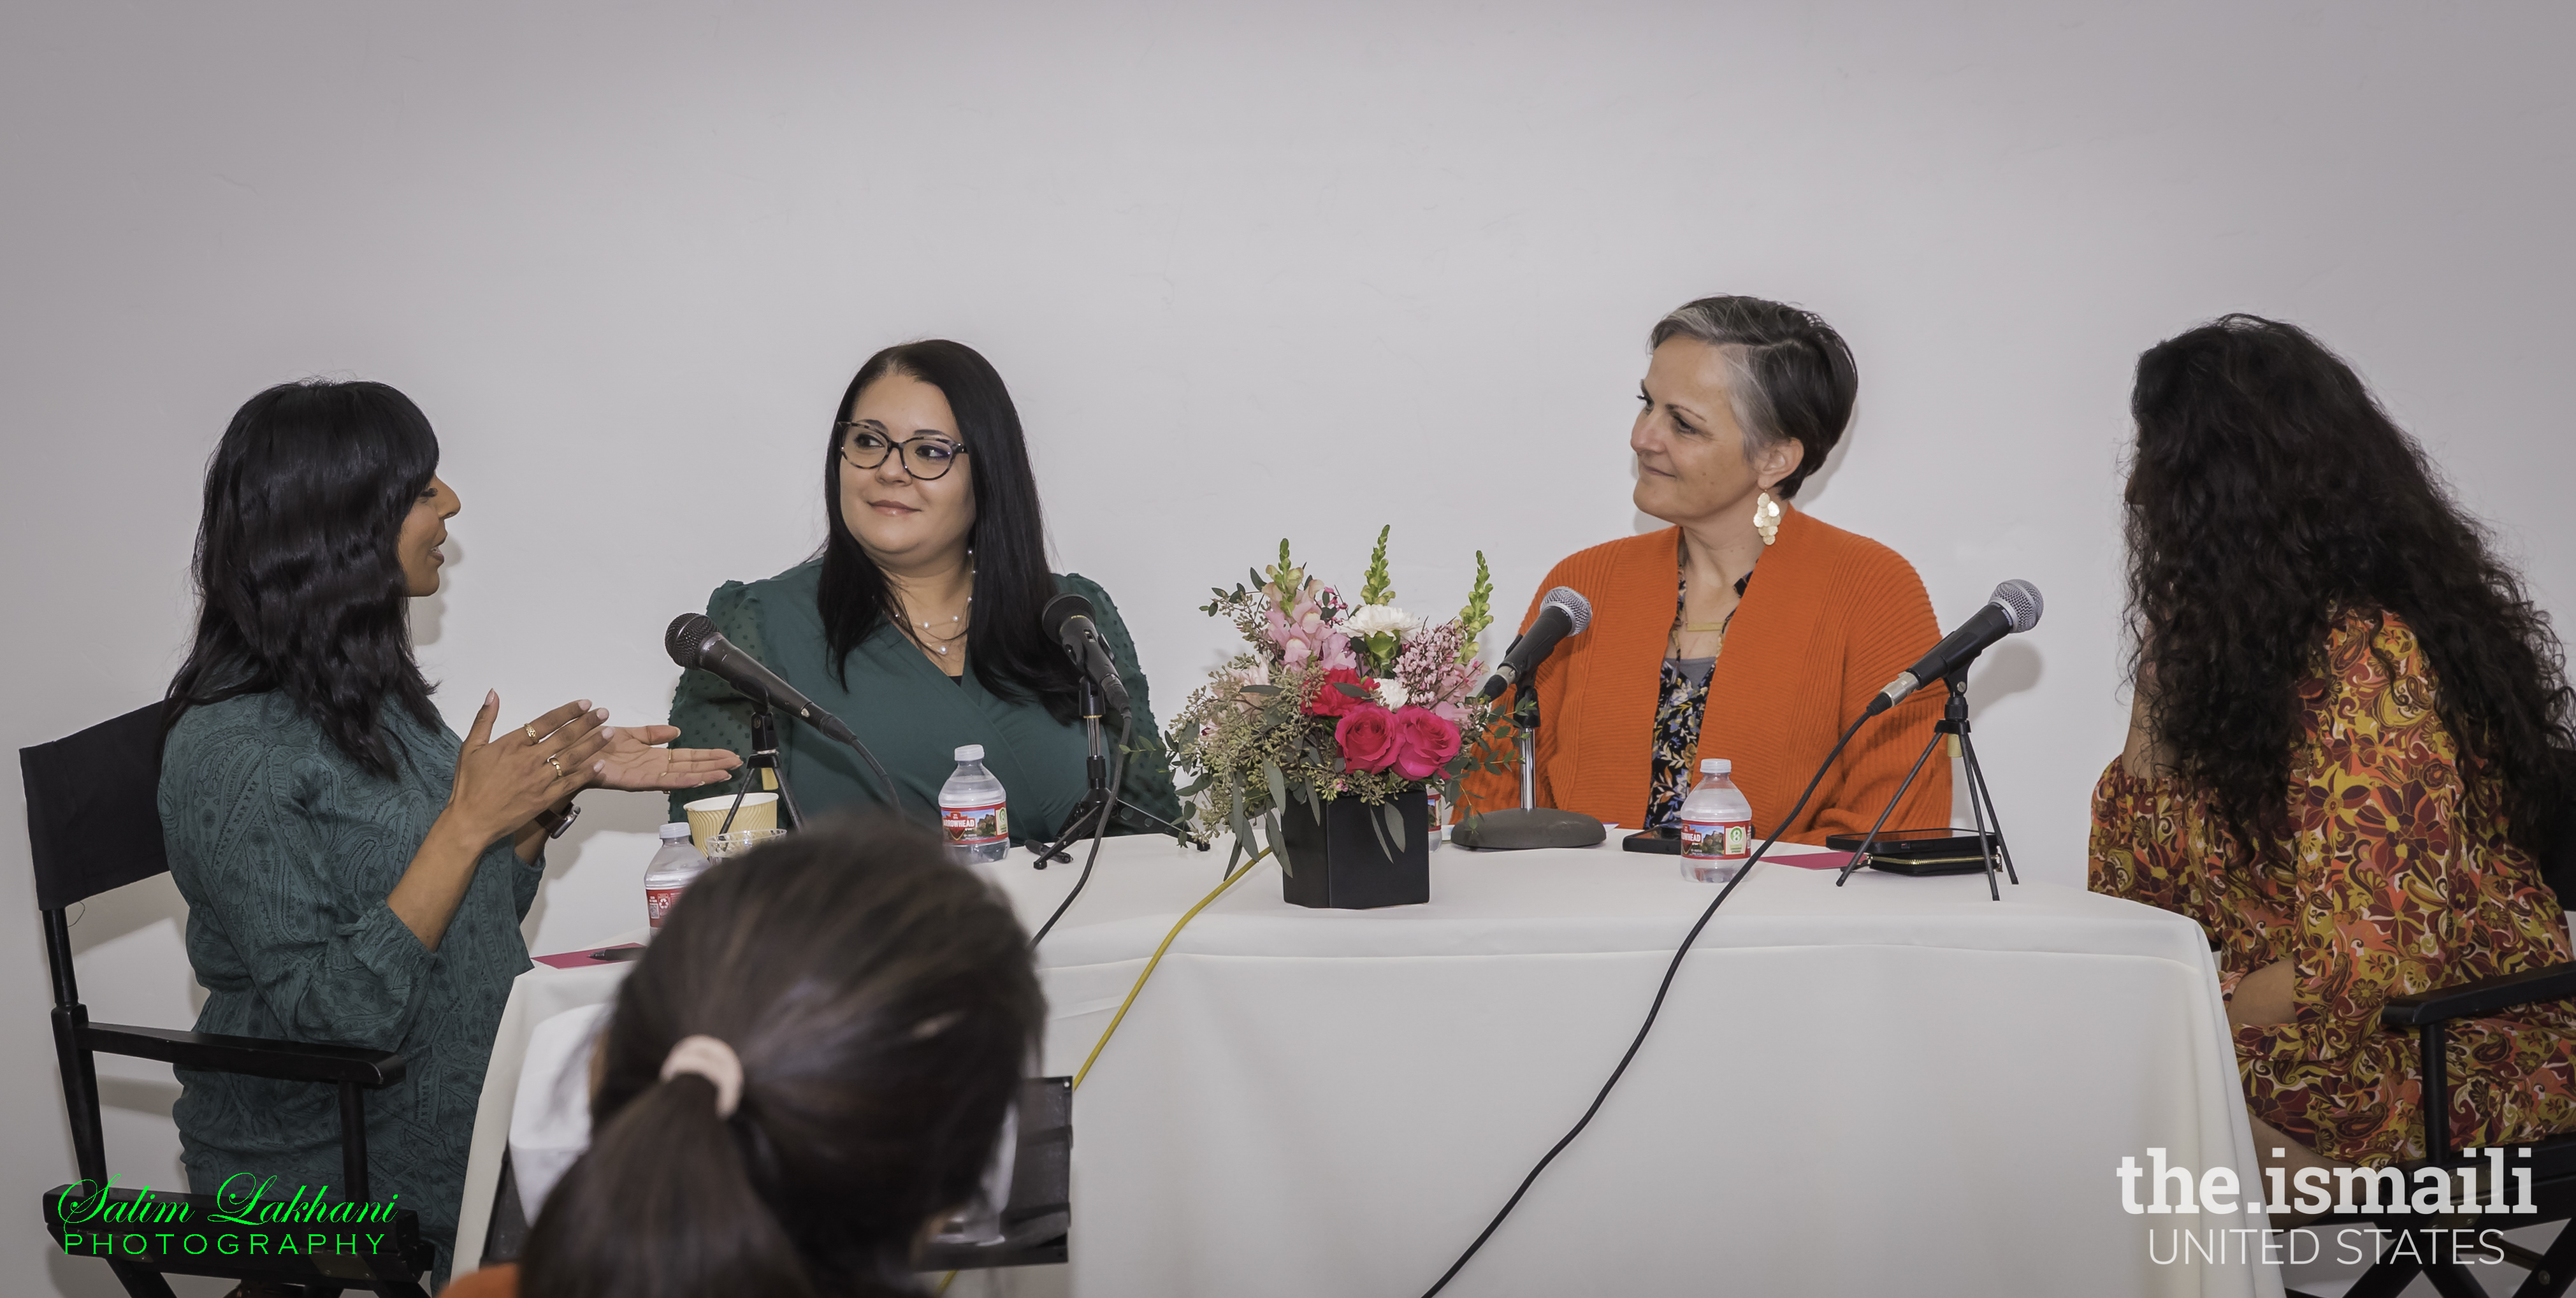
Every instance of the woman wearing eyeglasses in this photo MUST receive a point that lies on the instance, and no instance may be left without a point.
(918, 624)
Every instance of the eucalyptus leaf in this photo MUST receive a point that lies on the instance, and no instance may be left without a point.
(1278, 848)
(1394, 824)
(1258, 689)
(1377, 826)
(1278, 781)
(1235, 819)
(1352, 690)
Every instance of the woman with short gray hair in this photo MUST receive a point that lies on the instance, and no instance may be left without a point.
(1687, 655)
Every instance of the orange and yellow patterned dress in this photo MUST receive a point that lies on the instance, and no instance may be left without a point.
(2397, 878)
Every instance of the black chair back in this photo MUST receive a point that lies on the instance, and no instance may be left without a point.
(93, 824)
(2558, 857)
(93, 821)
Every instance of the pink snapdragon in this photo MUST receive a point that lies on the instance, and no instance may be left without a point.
(1302, 636)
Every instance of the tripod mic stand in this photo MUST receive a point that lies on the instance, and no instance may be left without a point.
(764, 757)
(1100, 795)
(1981, 802)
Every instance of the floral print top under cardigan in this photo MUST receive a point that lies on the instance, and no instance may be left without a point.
(2397, 878)
(1681, 705)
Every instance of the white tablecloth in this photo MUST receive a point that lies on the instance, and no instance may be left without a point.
(1896, 1086)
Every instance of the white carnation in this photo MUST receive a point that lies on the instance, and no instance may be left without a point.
(1392, 694)
(1379, 619)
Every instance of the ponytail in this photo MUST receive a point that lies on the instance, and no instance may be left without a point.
(663, 1205)
(814, 1060)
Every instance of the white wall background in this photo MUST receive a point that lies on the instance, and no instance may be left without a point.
(1251, 270)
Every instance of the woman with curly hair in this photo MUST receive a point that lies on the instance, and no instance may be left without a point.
(2351, 736)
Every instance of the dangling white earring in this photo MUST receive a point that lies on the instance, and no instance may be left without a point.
(1766, 517)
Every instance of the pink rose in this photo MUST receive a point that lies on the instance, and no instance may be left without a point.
(1424, 742)
(1367, 737)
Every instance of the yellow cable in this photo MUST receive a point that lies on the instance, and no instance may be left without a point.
(944, 1282)
(1230, 881)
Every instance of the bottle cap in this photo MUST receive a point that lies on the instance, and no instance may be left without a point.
(971, 753)
(677, 829)
(1715, 766)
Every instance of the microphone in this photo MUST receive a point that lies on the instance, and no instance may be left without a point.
(2015, 606)
(693, 641)
(1067, 617)
(1562, 613)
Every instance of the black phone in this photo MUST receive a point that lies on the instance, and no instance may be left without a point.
(1664, 839)
(1923, 851)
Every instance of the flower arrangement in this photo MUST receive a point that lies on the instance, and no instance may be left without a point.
(1332, 699)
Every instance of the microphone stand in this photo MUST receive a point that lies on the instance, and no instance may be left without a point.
(1981, 802)
(764, 757)
(1100, 795)
(1529, 825)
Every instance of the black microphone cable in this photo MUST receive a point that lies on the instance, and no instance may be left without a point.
(1651, 1010)
(1099, 831)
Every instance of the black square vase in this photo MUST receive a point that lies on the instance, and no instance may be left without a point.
(1343, 863)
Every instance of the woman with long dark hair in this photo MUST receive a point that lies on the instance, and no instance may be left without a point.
(811, 1065)
(917, 622)
(355, 873)
(2351, 736)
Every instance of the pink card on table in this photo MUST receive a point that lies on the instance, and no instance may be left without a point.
(593, 958)
(1812, 860)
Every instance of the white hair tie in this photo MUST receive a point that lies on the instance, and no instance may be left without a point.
(713, 1060)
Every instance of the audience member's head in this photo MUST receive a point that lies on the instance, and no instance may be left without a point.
(2270, 493)
(878, 1006)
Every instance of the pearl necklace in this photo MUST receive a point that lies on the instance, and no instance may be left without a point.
(952, 637)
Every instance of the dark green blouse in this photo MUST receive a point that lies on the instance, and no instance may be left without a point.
(910, 714)
(286, 851)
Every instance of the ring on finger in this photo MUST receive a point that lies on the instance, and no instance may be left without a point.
(533, 736)
(550, 761)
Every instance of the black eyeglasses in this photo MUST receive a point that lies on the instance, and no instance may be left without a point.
(865, 445)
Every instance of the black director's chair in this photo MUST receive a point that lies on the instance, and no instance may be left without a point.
(2414, 1245)
(93, 825)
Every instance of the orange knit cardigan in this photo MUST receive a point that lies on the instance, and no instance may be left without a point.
(1829, 618)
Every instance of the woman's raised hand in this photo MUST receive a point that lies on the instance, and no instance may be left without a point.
(503, 783)
(631, 761)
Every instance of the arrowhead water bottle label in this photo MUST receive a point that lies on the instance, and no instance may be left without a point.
(975, 826)
(1717, 840)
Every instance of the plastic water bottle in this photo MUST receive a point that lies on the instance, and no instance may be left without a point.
(671, 871)
(972, 811)
(1717, 825)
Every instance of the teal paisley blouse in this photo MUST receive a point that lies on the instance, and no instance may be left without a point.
(286, 852)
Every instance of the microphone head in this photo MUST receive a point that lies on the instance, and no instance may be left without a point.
(1061, 609)
(2020, 601)
(687, 639)
(1578, 610)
